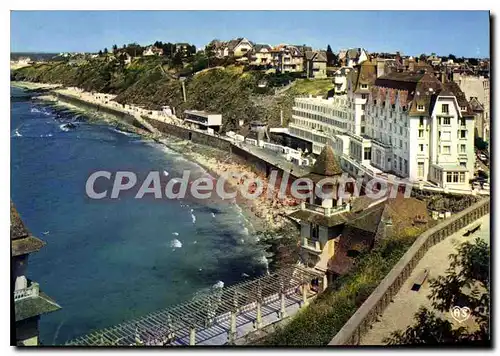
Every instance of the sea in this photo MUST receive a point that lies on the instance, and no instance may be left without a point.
(107, 261)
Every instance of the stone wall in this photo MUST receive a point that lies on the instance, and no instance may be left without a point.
(360, 322)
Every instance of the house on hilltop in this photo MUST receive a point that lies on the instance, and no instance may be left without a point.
(152, 51)
(315, 63)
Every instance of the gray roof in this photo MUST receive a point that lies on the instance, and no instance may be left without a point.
(316, 56)
(259, 47)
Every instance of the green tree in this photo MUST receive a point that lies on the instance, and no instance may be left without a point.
(330, 56)
(115, 48)
(480, 144)
(100, 53)
(466, 283)
(106, 50)
(177, 60)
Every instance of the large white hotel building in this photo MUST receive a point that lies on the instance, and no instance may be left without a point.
(408, 124)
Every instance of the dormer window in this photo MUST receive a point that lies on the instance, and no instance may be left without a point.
(463, 108)
(364, 86)
(420, 108)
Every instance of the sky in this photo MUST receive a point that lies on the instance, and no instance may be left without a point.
(462, 33)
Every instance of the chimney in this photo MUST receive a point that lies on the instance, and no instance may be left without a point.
(443, 77)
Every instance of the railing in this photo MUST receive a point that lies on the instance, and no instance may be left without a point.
(32, 291)
(360, 322)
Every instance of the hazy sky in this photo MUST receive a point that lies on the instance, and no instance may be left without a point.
(463, 33)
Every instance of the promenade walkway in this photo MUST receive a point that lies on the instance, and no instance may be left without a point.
(399, 314)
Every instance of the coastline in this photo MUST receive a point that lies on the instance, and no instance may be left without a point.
(265, 215)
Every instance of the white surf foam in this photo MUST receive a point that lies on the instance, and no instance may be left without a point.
(17, 133)
(175, 233)
(175, 243)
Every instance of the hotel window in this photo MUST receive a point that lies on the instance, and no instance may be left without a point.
(462, 177)
(420, 133)
(421, 147)
(462, 122)
(455, 177)
(463, 133)
(420, 170)
(446, 121)
(400, 163)
(363, 107)
(420, 107)
(445, 108)
(449, 177)
(401, 131)
(462, 148)
(421, 121)
(446, 150)
(400, 144)
(364, 96)
(446, 136)
(463, 164)
(363, 118)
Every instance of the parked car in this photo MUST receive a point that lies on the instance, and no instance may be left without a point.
(486, 186)
(483, 157)
(476, 185)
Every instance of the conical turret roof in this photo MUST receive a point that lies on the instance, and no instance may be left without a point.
(327, 164)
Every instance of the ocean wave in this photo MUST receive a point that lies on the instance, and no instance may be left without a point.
(218, 284)
(175, 243)
(193, 217)
(17, 133)
(123, 132)
(64, 128)
(175, 233)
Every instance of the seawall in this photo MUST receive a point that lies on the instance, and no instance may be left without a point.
(124, 117)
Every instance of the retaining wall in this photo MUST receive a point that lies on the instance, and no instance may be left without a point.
(359, 323)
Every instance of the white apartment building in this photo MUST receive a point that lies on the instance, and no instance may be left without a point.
(316, 120)
(408, 124)
(421, 129)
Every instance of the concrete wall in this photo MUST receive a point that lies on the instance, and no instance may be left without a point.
(360, 322)
(129, 119)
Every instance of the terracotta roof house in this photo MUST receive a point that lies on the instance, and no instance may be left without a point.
(288, 58)
(29, 301)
